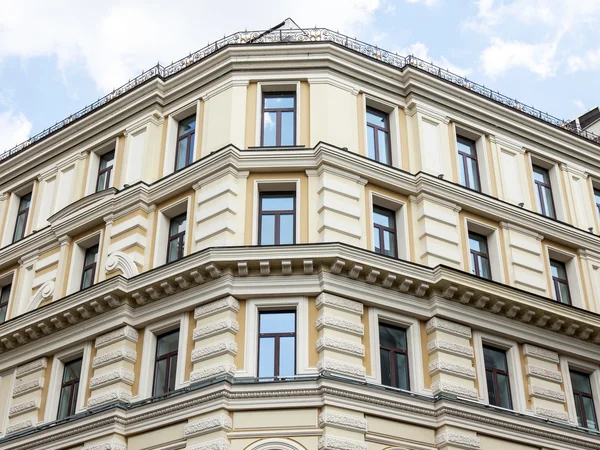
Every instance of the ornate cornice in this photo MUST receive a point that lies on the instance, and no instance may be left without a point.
(110, 396)
(551, 414)
(450, 347)
(112, 444)
(451, 388)
(217, 444)
(217, 370)
(457, 440)
(343, 368)
(116, 376)
(122, 354)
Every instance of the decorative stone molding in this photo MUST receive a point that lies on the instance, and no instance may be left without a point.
(45, 292)
(437, 324)
(543, 373)
(223, 369)
(216, 349)
(121, 261)
(340, 367)
(24, 407)
(221, 326)
(208, 425)
(327, 321)
(540, 353)
(342, 421)
(116, 376)
(336, 443)
(217, 444)
(450, 347)
(340, 345)
(548, 394)
(20, 426)
(125, 332)
(457, 439)
(339, 303)
(122, 354)
(110, 396)
(224, 304)
(551, 414)
(443, 366)
(28, 386)
(113, 444)
(451, 388)
(30, 367)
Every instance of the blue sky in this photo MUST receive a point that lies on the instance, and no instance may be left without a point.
(56, 57)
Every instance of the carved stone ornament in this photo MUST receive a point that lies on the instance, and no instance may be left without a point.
(220, 326)
(125, 332)
(340, 303)
(451, 388)
(123, 262)
(223, 369)
(110, 396)
(336, 443)
(437, 324)
(224, 304)
(45, 292)
(28, 386)
(115, 376)
(549, 394)
(20, 426)
(216, 349)
(332, 419)
(24, 407)
(343, 368)
(457, 439)
(112, 444)
(217, 444)
(440, 365)
(340, 345)
(208, 425)
(540, 353)
(122, 354)
(336, 323)
(30, 367)
(551, 414)
(450, 347)
(543, 373)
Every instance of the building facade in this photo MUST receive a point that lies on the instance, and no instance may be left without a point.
(292, 240)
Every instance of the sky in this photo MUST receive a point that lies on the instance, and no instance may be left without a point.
(58, 56)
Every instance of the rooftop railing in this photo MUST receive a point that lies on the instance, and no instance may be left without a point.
(305, 35)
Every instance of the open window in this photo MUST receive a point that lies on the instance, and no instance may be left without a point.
(101, 167)
(181, 142)
(388, 217)
(565, 285)
(172, 232)
(18, 215)
(484, 254)
(84, 263)
(6, 293)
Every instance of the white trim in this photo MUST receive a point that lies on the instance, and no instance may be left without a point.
(273, 185)
(566, 363)
(413, 338)
(277, 86)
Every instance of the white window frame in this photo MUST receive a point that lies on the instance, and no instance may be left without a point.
(558, 196)
(13, 209)
(278, 185)
(172, 131)
(276, 86)
(253, 308)
(593, 370)
(151, 333)
(77, 259)
(573, 275)
(401, 218)
(483, 163)
(94, 165)
(413, 345)
(58, 366)
(371, 101)
(163, 219)
(6, 279)
(513, 359)
(494, 247)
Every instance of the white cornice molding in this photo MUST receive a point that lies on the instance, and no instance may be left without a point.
(109, 396)
(528, 232)
(456, 389)
(329, 79)
(551, 414)
(28, 386)
(342, 368)
(226, 346)
(444, 366)
(340, 303)
(453, 348)
(214, 328)
(25, 407)
(222, 369)
(217, 444)
(121, 375)
(553, 395)
(507, 143)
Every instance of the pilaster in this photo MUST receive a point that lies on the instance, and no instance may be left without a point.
(26, 396)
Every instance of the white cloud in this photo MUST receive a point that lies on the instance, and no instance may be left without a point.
(14, 129)
(115, 40)
(421, 51)
(590, 60)
(425, 2)
(580, 105)
(501, 56)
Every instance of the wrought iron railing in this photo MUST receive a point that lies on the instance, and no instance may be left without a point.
(306, 35)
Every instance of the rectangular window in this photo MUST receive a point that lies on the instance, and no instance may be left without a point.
(597, 199)
(378, 136)
(584, 400)
(107, 162)
(186, 131)
(277, 344)
(560, 282)
(4, 296)
(89, 267)
(480, 257)
(394, 356)
(278, 119)
(176, 242)
(22, 214)
(496, 375)
(384, 231)
(277, 218)
(543, 192)
(165, 363)
(467, 163)
(69, 389)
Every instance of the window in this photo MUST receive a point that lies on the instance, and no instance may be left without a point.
(184, 155)
(584, 400)
(543, 192)
(496, 375)
(384, 231)
(165, 363)
(22, 213)
(378, 136)
(89, 267)
(467, 163)
(69, 388)
(277, 344)
(176, 242)
(560, 282)
(105, 170)
(277, 218)
(394, 356)
(480, 258)
(597, 199)
(4, 296)
(278, 119)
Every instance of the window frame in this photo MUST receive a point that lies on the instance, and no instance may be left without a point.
(567, 364)
(556, 281)
(399, 207)
(538, 186)
(69, 384)
(20, 211)
(78, 251)
(463, 159)
(269, 86)
(387, 130)
(580, 395)
(3, 289)
(596, 195)
(181, 237)
(168, 357)
(191, 138)
(382, 229)
(277, 338)
(278, 111)
(163, 222)
(477, 254)
(275, 185)
(393, 351)
(108, 170)
(495, 373)
(277, 214)
(93, 266)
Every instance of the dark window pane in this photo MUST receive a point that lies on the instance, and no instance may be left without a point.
(389, 243)
(547, 200)
(473, 264)
(540, 174)
(25, 202)
(20, 227)
(72, 370)
(63, 402)
(286, 229)
(581, 382)
(172, 373)
(102, 181)
(269, 129)
(91, 255)
(558, 269)
(107, 160)
(402, 371)
(386, 367)
(281, 322)
(266, 362)
(461, 170)
(390, 336)
(504, 399)
(87, 278)
(277, 203)
(287, 128)
(376, 240)
(495, 358)
(281, 101)
(3, 310)
(590, 413)
(287, 356)
(167, 343)
(177, 224)
(564, 296)
(478, 242)
(267, 230)
(484, 266)
(173, 250)
(186, 125)
(160, 374)
(489, 377)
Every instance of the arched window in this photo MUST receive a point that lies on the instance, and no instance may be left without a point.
(275, 444)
